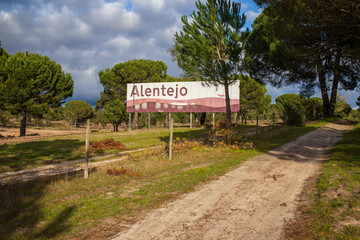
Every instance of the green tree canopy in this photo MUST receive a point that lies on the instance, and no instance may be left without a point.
(33, 83)
(298, 42)
(342, 108)
(313, 108)
(3, 57)
(293, 110)
(115, 112)
(77, 111)
(115, 80)
(252, 96)
(338, 20)
(209, 46)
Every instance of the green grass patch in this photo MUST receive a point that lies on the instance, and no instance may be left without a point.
(72, 207)
(66, 208)
(19, 156)
(336, 208)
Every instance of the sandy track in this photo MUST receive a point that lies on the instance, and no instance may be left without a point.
(251, 202)
(12, 134)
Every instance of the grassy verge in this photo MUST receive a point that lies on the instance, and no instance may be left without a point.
(19, 156)
(104, 204)
(284, 134)
(336, 210)
(26, 155)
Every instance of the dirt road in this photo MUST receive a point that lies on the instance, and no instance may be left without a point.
(251, 202)
(11, 135)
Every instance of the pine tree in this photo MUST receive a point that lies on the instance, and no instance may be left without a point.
(209, 46)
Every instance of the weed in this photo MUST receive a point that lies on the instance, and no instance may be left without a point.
(184, 144)
(76, 207)
(335, 208)
(122, 171)
(101, 146)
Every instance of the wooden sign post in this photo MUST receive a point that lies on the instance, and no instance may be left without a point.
(257, 126)
(129, 122)
(273, 119)
(169, 120)
(86, 171)
(171, 138)
(191, 118)
(213, 121)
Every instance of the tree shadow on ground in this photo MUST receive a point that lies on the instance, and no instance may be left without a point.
(21, 214)
(20, 156)
(189, 135)
(313, 148)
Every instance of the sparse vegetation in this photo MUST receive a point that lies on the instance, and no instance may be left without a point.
(106, 203)
(20, 156)
(330, 205)
(337, 196)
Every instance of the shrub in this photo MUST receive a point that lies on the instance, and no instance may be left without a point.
(293, 111)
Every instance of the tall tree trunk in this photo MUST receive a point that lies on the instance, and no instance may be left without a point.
(116, 126)
(202, 118)
(23, 124)
(166, 122)
(323, 88)
(335, 84)
(227, 102)
(228, 111)
(136, 118)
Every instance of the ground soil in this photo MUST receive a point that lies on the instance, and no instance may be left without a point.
(11, 135)
(255, 201)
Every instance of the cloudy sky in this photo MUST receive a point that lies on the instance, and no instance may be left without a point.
(88, 36)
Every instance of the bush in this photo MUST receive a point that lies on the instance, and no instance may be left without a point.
(313, 108)
(293, 111)
(77, 111)
(5, 117)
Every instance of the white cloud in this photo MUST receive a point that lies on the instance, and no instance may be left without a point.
(245, 6)
(154, 5)
(276, 92)
(119, 42)
(62, 27)
(251, 15)
(113, 16)
(350, 97)
(86, 37)
(87, 83)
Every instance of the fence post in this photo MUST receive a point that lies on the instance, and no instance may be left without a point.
(171, 138)
(273, 120)
(257, 126)
(169, 119)
(86, 171)
(191, 120)
(213, 121)
(129, 122)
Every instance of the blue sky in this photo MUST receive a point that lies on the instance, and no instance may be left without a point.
(88, 36)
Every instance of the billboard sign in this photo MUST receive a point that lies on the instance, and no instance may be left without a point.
(180, 97)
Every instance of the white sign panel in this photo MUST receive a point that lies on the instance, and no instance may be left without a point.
(180, 97)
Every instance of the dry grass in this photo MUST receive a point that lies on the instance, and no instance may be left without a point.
(330, 206)
(74, 208)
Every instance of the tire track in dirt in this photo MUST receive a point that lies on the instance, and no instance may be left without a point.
(251, 202)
